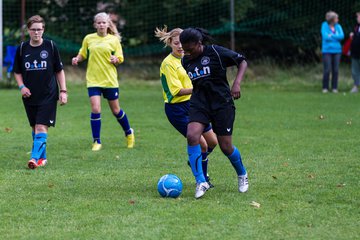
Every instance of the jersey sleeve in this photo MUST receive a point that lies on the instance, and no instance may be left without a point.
(324, 32)
(172, 79)
(228, 57)
(17, 62)
(84, 48)
(58, 66)
(119, 52)
(339, 33)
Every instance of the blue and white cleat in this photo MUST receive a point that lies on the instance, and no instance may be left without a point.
(243, 183)
(201, 189)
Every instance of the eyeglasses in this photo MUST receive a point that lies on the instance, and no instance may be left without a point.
(36, 29)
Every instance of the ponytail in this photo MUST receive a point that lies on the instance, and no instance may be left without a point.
(206, 37)
(165, 36)
(194, 35)
(112, 29)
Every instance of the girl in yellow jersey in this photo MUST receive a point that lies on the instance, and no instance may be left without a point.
(103, 52)
(177, 89)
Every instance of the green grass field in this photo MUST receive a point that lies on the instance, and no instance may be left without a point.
(303, 170)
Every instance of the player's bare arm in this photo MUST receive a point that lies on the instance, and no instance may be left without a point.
(236, 89)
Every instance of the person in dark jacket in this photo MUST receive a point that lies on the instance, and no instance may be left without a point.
(355, 54)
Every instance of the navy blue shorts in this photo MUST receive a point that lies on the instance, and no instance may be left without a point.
(178, 115)
(41, 114)
(109, 93)
(222, 120)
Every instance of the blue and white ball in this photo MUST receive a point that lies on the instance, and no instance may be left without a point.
(170, 185)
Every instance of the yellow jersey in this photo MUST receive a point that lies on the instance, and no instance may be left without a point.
(97, 50)
(173, 78)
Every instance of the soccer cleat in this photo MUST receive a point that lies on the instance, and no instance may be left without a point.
(335, 91)
(96, 146)
(42, 162)
(210, 184)
(201, 189)
(208, 181)
(32, 164)
(243, 183)
(130, 139)
(325, 90)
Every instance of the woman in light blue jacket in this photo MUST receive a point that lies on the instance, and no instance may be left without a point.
(332, 34)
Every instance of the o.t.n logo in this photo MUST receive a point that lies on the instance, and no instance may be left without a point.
(35, 65)
(199, 73)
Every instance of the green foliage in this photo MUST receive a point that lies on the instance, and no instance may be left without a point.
(263, 27)
(303, 169)
(68, 21)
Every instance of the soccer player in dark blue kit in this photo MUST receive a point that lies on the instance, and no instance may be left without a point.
(38, 71)
(211, 101)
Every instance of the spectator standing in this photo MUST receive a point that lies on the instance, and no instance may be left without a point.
(355, 54)
(332, 34)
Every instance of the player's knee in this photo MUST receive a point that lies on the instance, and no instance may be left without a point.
(39, 128)
(192, 139)
(115, 111)
(226, 148)
(95, 109)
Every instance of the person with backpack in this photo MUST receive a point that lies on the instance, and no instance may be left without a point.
(39, 73)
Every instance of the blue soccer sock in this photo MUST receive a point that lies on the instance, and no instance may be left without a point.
(204, 164)
(235, 159)
(124, 122)
(43, 155)
(205, 161)
(194, 153)
(39, 145)
(95, 122)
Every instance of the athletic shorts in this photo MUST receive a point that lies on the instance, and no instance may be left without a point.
(41, 114)
(178, 116)
(108, 93)
(222, 120)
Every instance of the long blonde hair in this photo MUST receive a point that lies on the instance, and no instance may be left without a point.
(112, 28)
(165, 36)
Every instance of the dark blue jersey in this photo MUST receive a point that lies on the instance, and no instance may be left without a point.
(355, 44)
(38, 66)
(208, 75)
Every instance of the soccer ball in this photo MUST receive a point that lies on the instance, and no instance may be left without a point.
(169, 185)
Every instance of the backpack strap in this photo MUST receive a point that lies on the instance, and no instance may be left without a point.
(52, 47)
(21, 47)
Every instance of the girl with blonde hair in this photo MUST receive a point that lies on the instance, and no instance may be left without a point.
(177, 89)
(103, 52)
